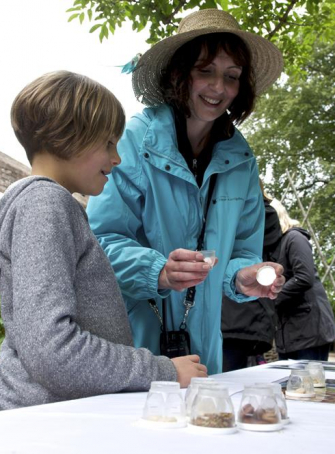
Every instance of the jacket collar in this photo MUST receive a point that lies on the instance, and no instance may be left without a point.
(161, 139)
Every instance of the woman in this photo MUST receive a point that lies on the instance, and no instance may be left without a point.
(151, 214)
(305, 327)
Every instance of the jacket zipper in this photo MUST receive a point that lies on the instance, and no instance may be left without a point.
(195, 168)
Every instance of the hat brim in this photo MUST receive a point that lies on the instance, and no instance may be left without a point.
(266, 61)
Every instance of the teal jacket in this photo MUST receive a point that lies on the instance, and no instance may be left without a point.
(152, 205)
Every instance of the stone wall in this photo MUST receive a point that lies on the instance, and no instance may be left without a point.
(12, 170)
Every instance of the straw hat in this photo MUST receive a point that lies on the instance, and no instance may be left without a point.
(266, 61)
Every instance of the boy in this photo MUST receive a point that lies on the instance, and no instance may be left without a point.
(67, 332)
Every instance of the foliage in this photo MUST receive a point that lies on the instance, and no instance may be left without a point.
(293, 25)
(293, 128)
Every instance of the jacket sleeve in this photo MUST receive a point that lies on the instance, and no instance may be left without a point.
(54, 349)
(299, 257)
(115, 217)
(248, 245)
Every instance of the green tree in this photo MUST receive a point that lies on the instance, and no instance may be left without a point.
(293, 25)
(293, 128)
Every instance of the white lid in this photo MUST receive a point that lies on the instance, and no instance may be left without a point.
(266, 275)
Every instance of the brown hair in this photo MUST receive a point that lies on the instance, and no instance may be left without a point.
(176, 79)
(64, 114)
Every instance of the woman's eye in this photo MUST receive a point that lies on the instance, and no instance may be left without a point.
(110, 143)
(203, 70)
(231, 77)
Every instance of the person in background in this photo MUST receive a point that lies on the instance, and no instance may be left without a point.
(248, 329)
(67, 333)
(186, 169)
(305, 320)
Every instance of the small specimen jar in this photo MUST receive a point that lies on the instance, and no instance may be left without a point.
(212, 410)
(266, 275)
(193, 389)
(259, 410)
(209, 257)
(165, 405)
(280, 398)
(300, 384)
(317, 373)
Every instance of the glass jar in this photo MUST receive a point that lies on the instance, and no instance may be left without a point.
(165, 405)
(259, 410)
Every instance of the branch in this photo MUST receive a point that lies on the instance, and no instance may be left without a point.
(282, 20)
(168, 19)
(310, 185)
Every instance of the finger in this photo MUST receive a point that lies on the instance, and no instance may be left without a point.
(194, 358)
(183, 255)
(188, 267)
(272, 296)
(202, 368)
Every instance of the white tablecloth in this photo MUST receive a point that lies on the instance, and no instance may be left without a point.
(109, 424)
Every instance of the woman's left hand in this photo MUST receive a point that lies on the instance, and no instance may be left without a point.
(247, 283)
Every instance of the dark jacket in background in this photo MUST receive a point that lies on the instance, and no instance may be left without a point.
(305, 317)
(254, 320)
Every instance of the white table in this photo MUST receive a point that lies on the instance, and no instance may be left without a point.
(108, 424)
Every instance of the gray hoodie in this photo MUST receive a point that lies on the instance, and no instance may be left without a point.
(67, 331)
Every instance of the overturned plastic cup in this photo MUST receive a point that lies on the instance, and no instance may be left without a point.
(280, 398)
(259, 410)
(193, 389)
(212, 410)
(300, 384)
(164, 407)
(317, 373)
(209, 257)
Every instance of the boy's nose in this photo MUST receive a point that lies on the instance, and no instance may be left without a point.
(116, 160)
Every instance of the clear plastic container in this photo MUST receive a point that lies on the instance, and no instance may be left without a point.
(280, 398)
(192, 391)
(317, 373)
(259, 410)
(165, 405)
(209, 257)
(212, 410)
(300, 384)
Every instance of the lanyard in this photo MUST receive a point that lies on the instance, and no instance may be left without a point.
(190, 294)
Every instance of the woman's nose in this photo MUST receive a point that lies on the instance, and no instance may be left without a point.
(218, 84)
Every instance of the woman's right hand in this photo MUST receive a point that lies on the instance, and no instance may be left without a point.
(183, 269)
(188, 367)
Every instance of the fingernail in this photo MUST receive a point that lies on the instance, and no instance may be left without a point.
(206, 267)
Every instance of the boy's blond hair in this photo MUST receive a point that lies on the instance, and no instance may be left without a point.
(64, 114)
(286, 222)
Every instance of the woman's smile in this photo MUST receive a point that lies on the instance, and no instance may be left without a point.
(213, 87)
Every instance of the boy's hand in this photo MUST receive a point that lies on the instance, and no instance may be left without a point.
(188, 367)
